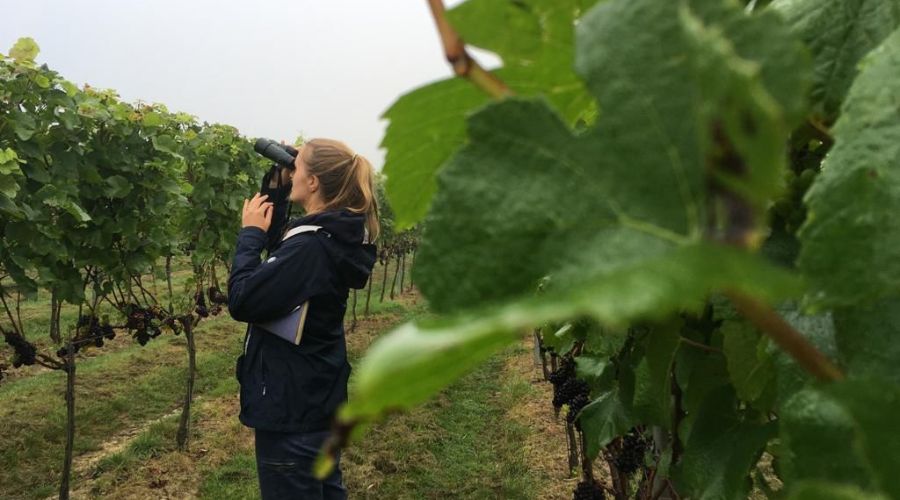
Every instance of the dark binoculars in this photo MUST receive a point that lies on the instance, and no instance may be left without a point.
(281, 154)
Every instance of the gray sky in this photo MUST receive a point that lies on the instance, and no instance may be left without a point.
(273, 68)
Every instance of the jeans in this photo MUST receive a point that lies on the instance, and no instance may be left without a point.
(284, 463)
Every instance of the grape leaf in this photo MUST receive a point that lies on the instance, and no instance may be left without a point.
(815, 434)
(602, 420)
(839, 33)
(721, 449)
(615, 215)
(750, 367)
(428, 124)
(415, 361)
(874, 405)
(580, 206)
(24, 50)
(652, 377)
(849, 242)
(118, 186)
(819, 331)
(866, 338)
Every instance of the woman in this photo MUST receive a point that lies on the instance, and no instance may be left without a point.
(290, 393)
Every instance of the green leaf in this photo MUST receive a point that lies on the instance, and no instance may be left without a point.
(9, 172)
(874, 406)
(750, 367)
(851, 239)
(819, 331)
(867, 341)
(24, 50)
(8, 186)
(425, 127)
(652, 385)
(166, 144)
(721, 450)
(415, 361)
(152, 119)
(75, 210)
(698, 373)
(594, 370)
(558, 337)
(603, 420)
(605, 342)
(839, 33)
(118, 186)
(428, 124)
(42, 81)
(578, 207)
(816, 433)
(24, 124)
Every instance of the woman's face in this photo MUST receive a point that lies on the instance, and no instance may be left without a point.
(304, 187)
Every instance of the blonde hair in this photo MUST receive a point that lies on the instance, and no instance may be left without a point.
(347, 179)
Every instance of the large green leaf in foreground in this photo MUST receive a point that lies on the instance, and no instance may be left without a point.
(534, 38)
(615, 215)
(839, 33)
(851, 238)
(527, 197)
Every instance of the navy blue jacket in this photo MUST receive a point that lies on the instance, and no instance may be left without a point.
(285, 387)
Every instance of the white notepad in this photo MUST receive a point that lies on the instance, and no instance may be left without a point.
(288, 327)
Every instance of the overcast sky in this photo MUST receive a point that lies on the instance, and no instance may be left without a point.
(273, 68)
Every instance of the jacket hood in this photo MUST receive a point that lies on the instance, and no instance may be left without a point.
(346, 230)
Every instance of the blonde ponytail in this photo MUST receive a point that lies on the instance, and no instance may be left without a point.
(347, 179)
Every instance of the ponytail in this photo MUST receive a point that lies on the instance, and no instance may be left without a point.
(347, 180)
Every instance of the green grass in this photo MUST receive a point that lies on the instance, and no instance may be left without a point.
(116, 389)
(236, 479)
(459, 445)
(476, 450)
(113, 392)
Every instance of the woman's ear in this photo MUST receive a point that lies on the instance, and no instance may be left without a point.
(313, 183)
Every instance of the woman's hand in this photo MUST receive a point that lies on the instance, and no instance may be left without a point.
(285, 174)
(258, 212)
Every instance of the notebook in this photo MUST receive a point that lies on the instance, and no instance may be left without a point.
(288, 327)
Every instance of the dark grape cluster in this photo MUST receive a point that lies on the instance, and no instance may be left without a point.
(631, 456)
(576, 404)
(89, 330)
(568, 390)
(216, 296)
(592, 490)
(200, 303)
(145, 322)
(25, 351)
(173, 323)
(563, 372)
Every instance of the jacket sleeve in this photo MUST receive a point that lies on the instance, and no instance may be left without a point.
(261, 291)
(278, 196)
